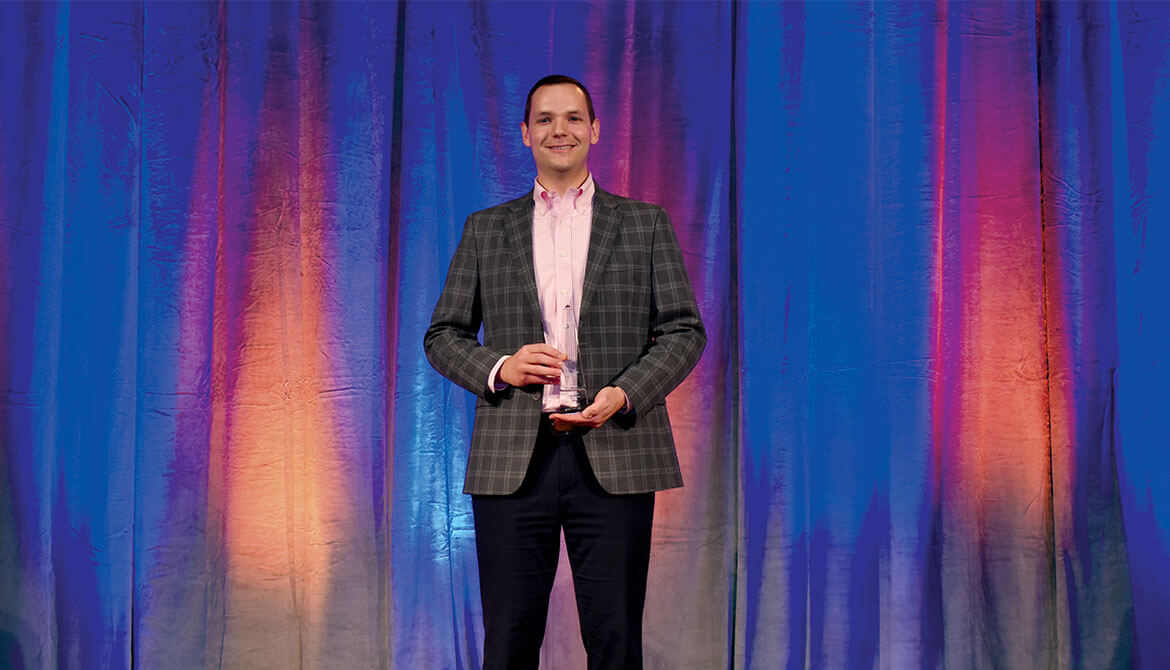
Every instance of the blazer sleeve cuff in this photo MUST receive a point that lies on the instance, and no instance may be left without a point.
(494, 385)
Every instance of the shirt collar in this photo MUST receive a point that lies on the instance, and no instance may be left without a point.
(581, 198)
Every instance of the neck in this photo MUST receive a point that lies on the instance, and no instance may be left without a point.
(562, 182)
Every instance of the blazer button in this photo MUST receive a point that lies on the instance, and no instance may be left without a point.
(536, 395)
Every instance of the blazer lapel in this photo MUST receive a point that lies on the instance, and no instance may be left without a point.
(519, 227)
(605, 227)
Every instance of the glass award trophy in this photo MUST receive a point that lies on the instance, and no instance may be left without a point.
(571, 394)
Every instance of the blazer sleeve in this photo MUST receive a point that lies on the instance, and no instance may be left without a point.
(451, 342)
(677, 337)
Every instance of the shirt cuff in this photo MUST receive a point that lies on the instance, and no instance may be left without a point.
(494, 385)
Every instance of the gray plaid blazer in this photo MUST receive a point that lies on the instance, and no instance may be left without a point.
(639, 328)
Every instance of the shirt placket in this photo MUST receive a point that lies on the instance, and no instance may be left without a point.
(563, 283)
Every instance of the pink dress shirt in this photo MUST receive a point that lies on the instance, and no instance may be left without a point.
(560, 248)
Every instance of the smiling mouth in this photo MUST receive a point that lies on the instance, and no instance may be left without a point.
(562, 147)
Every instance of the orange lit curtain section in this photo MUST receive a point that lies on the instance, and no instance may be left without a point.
(924, 237)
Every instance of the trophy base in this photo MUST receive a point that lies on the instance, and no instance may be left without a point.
(562, 427)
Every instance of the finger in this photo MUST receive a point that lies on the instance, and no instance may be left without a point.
(544, 378)
(541, 371)
(598, 409)
(543, 359)
(545, 349)
(574, 419)
(580, 419)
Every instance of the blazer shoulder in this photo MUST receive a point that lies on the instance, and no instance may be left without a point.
(625, 204)
(629, 208)
(505, 209)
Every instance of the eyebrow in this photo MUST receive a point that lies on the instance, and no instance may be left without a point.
(543, 112)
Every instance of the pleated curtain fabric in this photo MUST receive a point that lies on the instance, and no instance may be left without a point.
(927, 429)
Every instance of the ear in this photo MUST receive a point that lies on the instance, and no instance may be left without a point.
(595, 132)
(524, 134)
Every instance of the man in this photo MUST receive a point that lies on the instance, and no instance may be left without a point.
(573, 286)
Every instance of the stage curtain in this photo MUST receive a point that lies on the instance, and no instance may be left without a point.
(924, 238)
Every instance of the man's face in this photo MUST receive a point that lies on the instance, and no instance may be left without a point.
(559, 131)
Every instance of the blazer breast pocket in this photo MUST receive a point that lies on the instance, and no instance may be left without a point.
(625, 275)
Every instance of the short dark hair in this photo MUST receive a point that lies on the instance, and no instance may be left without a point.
(558, 79)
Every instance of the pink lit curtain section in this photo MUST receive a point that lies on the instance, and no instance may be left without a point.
(925, 239)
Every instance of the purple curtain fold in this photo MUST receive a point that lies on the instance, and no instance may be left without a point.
(925, 241)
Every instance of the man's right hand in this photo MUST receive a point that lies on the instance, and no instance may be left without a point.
(532, 364)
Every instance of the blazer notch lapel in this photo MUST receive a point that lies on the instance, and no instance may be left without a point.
(519, 227)
(601, 237)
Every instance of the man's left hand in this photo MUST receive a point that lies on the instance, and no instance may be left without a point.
(608, 401)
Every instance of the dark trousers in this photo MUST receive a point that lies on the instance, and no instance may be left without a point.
(517, 540)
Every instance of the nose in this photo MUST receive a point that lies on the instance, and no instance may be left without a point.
(558, 127)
